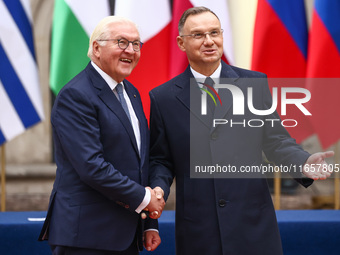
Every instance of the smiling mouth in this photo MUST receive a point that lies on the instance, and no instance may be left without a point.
(210, 51)
(125, 60)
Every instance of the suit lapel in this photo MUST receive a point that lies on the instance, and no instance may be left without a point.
(189, 95)
(225, 95)
(183, 85)
(194, 106)
(111, 101)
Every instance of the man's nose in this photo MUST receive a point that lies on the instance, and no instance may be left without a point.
(208, 40)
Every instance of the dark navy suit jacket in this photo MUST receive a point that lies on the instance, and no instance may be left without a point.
(100, 175)
(218, 215)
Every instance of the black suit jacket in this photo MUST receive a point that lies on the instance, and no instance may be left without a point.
(218, 215)
(100, 174)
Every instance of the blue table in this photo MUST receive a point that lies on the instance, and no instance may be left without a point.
(19, 233)
(303, 232)
(310, 232)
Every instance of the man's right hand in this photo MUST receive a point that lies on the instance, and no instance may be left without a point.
(156, 204)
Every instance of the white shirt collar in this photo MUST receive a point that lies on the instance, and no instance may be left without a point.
(111, 82)
(216, 74)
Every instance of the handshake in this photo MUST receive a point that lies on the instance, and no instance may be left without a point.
(156, 205)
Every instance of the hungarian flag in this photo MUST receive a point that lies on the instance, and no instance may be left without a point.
(73, 23)
(280, 51)
(153, 18)
(323, 69)
(178, 59)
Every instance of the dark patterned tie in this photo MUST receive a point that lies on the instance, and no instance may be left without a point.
(119, 89)
(210, 102)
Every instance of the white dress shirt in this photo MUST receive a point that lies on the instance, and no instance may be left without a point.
(215, 75)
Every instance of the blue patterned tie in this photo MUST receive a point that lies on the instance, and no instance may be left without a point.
(119, 89)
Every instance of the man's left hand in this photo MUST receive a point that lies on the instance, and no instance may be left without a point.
(316, 166)
(151, 240)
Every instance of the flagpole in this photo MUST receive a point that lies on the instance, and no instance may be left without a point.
(3, 179)
(277, 190)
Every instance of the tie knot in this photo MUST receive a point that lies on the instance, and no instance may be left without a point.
(119, 88)
(208, 81)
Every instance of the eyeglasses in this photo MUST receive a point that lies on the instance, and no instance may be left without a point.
(124, 43)
(212, 34)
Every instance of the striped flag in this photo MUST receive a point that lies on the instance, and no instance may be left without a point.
(73, 23)
(178, 59)
(324, 62)
(20, 99)
(280, 51)
(153, 18)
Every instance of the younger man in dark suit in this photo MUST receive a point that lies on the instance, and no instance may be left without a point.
(218, 215)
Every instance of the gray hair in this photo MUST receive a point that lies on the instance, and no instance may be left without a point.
(102, 32)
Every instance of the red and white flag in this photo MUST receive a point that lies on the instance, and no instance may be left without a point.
(161, 58)
(153, 18)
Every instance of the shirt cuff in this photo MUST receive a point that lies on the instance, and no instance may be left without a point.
(151, 229)
(145, 201)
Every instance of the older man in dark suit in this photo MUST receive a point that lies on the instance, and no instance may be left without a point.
(101, 149)
(229, 216)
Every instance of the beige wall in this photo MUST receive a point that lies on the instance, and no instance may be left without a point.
(35, 145)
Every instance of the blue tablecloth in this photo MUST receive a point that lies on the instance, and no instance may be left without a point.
(310, 232)
(302, 232)
(19, 233)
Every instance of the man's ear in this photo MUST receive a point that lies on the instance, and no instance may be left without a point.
(180, 43)
(95, 49)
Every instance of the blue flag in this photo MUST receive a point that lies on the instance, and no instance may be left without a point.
(20, 99)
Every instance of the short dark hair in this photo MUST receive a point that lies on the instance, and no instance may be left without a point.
(192, 11)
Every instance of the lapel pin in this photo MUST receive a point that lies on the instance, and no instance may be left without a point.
(134, 96)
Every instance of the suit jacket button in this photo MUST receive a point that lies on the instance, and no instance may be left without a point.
(214, 136)
(222, 203)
